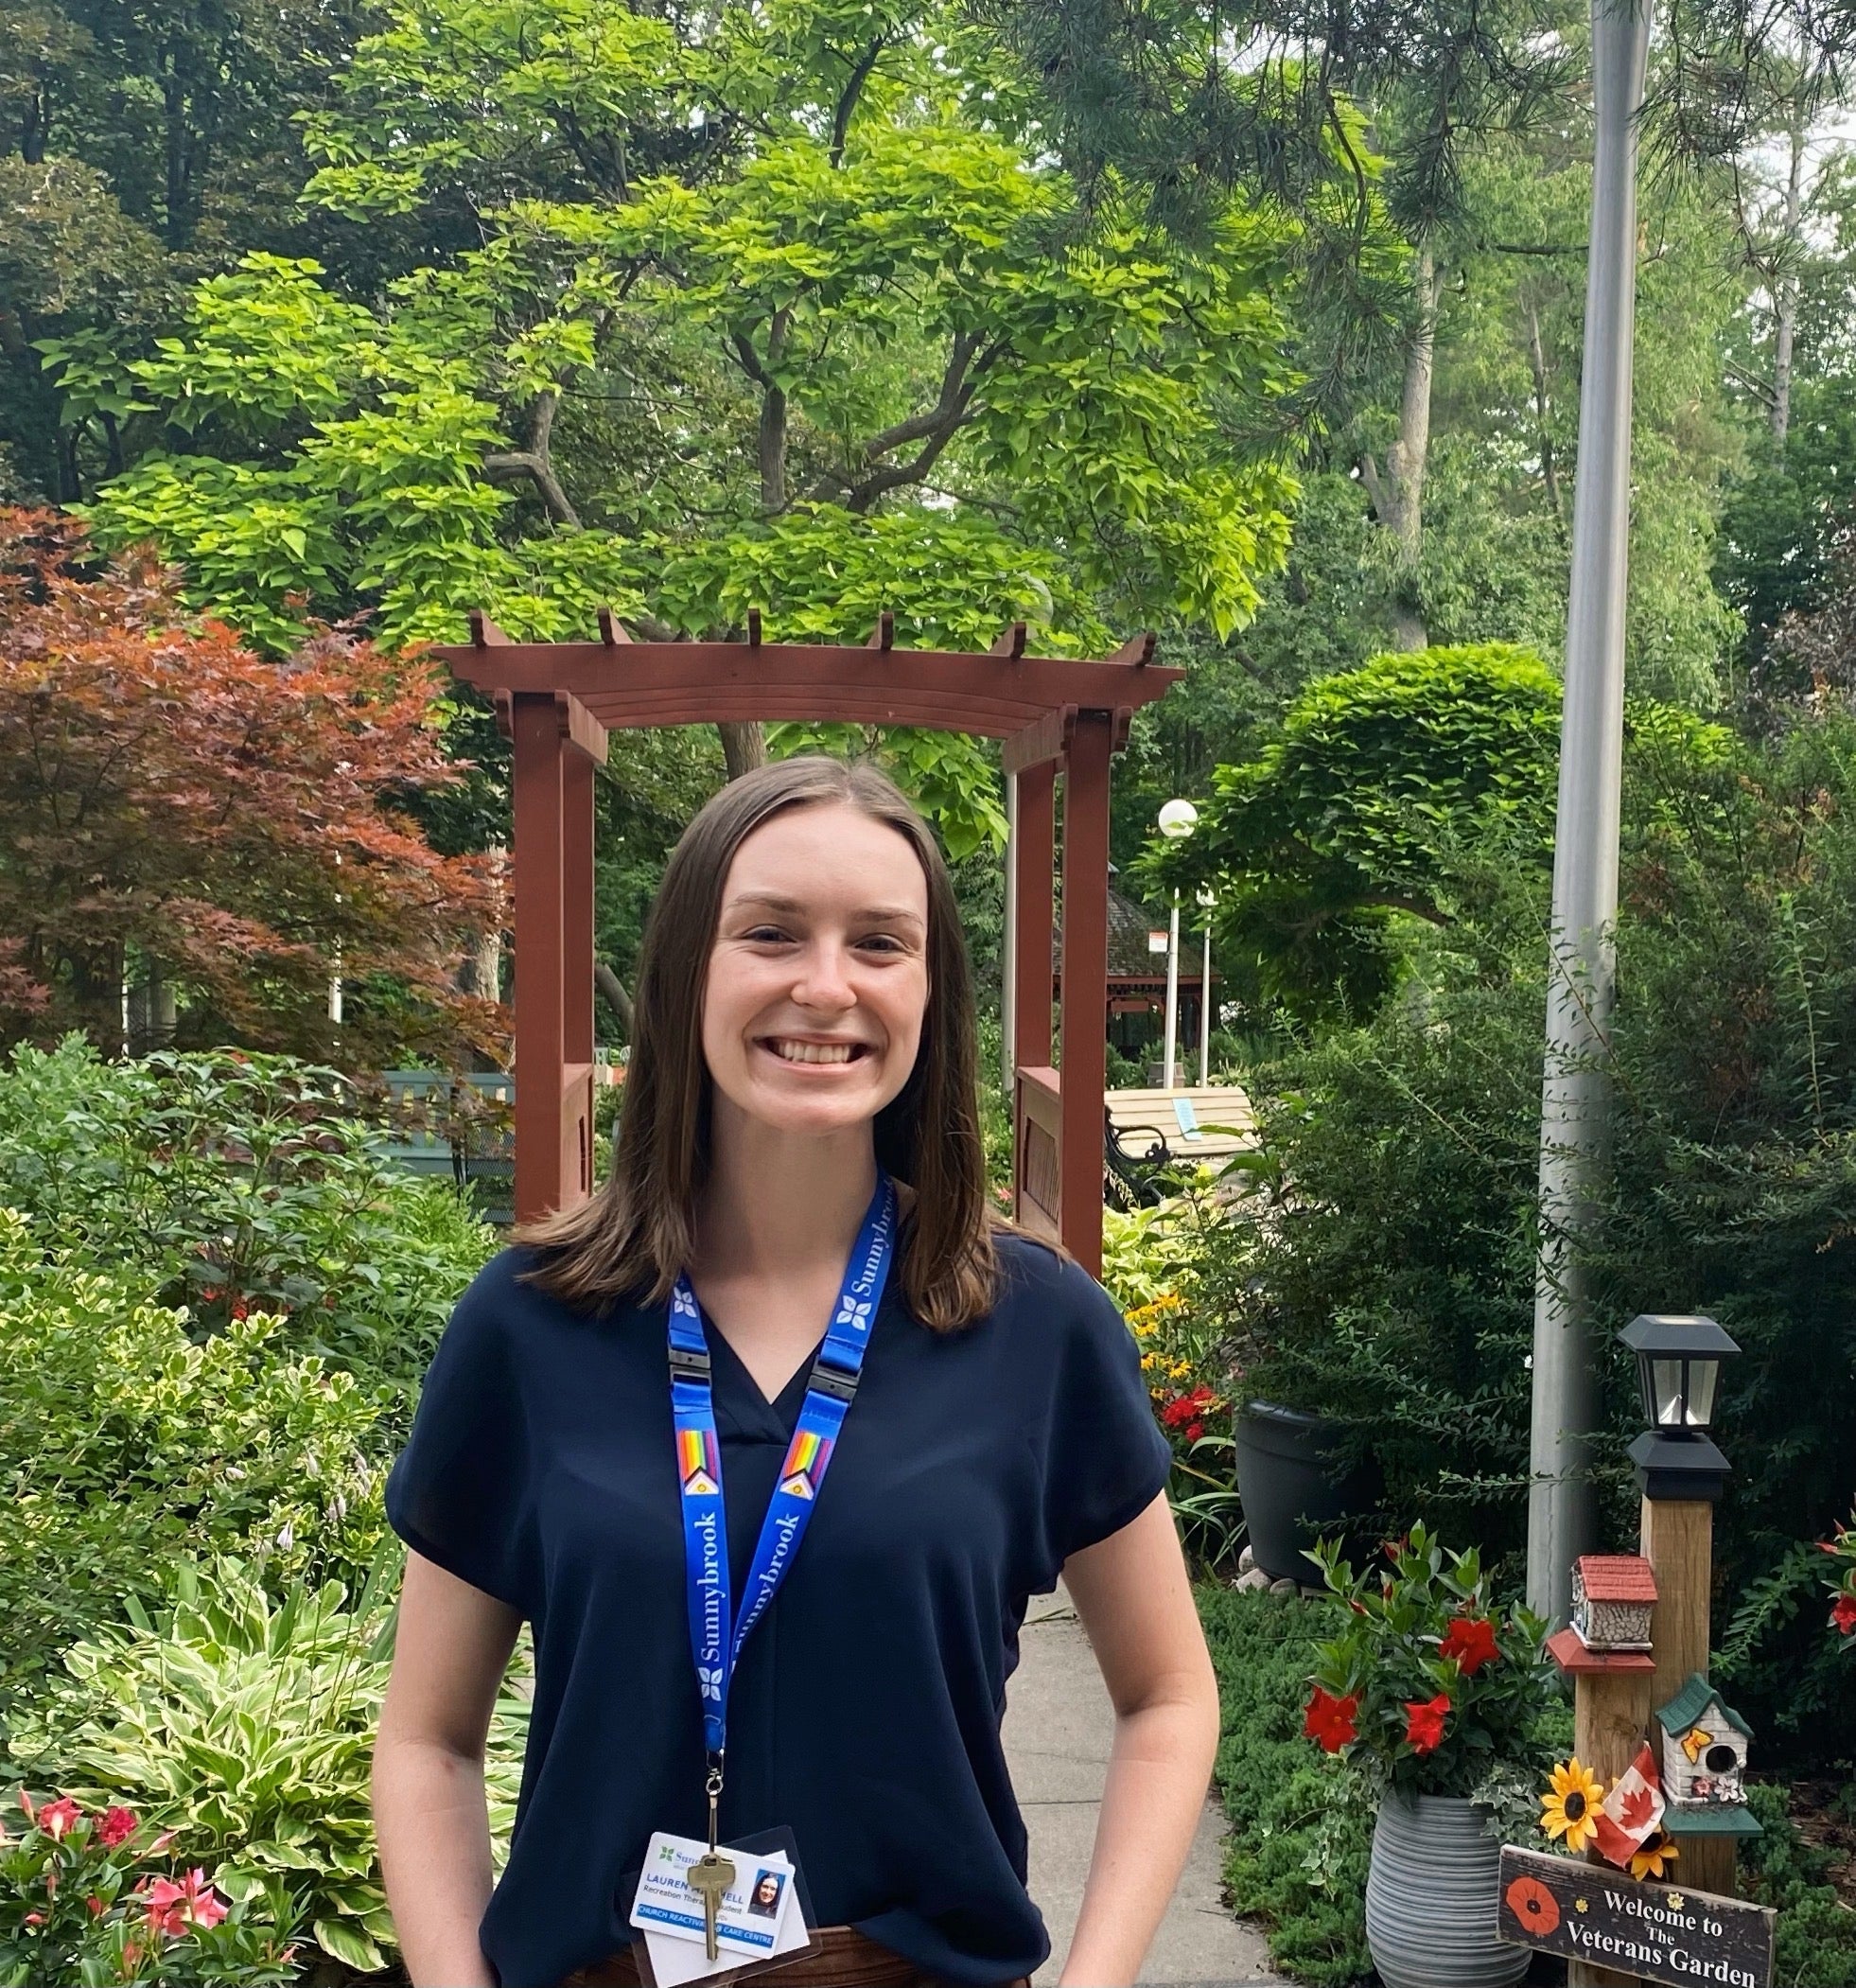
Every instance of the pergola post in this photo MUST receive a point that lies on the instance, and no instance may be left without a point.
(538, 865)
(1085, 1043)
(1034, 858)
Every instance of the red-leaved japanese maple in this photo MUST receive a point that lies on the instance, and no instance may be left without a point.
(169, 799)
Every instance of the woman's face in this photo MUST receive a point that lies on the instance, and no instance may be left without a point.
(818, 977)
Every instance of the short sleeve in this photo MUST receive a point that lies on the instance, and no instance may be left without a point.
(1106, 1459)
(459, 1493)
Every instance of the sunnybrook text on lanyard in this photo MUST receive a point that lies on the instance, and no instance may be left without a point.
(828, 1396)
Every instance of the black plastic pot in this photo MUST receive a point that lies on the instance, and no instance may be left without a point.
(1295, 1486)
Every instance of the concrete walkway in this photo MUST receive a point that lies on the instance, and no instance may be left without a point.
(1058, 1727)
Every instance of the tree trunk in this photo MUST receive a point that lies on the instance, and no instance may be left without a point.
(1787, 300)
(743, 742)
(1406, 457)
(612, 991)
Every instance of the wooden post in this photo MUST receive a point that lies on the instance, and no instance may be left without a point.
(1678, 1542)
(1085, 1064)
(1034, 857)
(1611, 1710)
(537, 864)
(576, 1114)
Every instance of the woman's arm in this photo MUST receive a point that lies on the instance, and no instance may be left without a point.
(451, 1650)
(1135, 1602)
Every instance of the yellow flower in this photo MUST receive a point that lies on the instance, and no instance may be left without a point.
(1149, 1362)
(1569, 1810)
(1178, 1369)
(1654, 1859)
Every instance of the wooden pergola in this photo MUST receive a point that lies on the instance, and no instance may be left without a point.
(556, 702)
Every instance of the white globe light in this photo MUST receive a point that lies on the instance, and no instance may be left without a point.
(1177, 818)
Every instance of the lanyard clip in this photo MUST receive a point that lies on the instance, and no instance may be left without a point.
(689, 1363)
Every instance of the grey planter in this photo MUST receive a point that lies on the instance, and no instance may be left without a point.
(1431, 1897)
(1293, 1484)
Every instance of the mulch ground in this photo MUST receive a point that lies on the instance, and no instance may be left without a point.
(1826, 1817)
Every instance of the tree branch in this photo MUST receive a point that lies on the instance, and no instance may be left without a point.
(536, 462)
(853, 91)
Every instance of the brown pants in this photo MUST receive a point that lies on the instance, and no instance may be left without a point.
(848, 1961)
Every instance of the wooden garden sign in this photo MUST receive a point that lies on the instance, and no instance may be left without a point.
(1648, 1933)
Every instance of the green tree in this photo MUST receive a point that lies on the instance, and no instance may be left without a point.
(1328, 844)
(873, 376)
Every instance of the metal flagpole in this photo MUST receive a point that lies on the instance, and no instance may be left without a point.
(1172, 993)
(1205, 1006)
(1574, 1091)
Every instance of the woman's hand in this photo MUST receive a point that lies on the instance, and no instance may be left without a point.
(1135, 1603)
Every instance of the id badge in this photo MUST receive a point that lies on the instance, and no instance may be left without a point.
(762, 1919)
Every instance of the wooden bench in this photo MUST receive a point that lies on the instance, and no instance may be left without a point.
(1183, 1121)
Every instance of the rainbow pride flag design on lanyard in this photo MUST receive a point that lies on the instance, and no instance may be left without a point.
(835, 1374)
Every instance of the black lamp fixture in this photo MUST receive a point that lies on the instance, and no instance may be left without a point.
(1678, 1369)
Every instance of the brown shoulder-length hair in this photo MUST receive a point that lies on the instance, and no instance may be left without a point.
(632, 1238)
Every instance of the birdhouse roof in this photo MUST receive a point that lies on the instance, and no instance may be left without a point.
(1617, 1576)
(1689, 1704)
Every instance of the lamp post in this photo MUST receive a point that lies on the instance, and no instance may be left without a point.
(1681, 1474)
(1177, 820)
(1206, 900)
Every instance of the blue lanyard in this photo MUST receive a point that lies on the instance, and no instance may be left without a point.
(829, 1393)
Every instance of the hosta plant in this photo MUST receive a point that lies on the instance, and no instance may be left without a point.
(92, 1898)
(1430, 1686)
(247, 1728)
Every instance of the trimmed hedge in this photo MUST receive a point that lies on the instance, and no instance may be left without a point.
(1299, 1833)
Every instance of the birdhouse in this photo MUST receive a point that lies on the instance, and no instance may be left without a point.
(1704, 1744)
(1611, 1597)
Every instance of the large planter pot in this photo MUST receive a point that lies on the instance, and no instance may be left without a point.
(1294, 1484)
(1430, 1896)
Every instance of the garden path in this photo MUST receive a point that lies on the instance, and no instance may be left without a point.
(1059, 1726)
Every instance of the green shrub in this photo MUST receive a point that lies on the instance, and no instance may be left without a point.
(124, 1446)
(248, 1728)
(231, 1181)
(1300, 1830)
(1816, 1934)
(1383, 1270)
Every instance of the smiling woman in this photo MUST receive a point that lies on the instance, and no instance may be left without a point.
(625, 1438)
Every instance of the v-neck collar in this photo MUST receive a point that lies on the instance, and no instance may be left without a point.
(738, 1397)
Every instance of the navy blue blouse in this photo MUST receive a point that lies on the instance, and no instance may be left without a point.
(865, 1712)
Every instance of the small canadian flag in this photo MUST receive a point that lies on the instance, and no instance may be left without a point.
(1631, 1812)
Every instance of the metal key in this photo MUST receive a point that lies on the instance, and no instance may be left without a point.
(710, 1876)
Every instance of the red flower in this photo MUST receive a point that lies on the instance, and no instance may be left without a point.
(96, 1906)
(35, 1919)
(1471, 1640)
(55, 1818)
(117, 1826)
(1843, 1613)
(1329, 1721)
(1194, 1431)
(1534, 1904)
(1423, 1723)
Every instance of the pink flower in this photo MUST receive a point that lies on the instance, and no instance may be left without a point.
(35, 1919)
(96, 1906)
(162, 1841)
(172, 1907)
(26, 1803)
(55, 1818)
(116, 1826)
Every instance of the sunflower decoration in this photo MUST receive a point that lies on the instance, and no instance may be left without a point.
(1570, 1810)
(1654, 1859)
